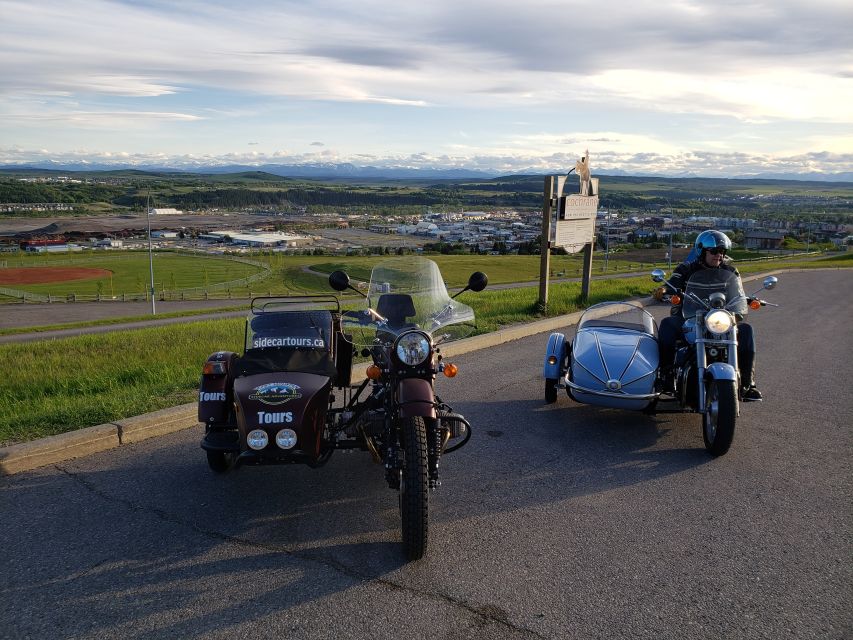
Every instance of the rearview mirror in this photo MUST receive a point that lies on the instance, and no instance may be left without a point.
(770, 282)
(658, 275)
(478, 281)
(339, 280)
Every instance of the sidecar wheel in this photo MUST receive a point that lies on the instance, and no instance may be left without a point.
(550, 390)
(718, 422)
(219, 461)
(414, 490)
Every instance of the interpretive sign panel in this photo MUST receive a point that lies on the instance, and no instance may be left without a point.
(572, 235)
(575, 222)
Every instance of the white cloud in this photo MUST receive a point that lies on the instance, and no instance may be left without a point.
(735, 68)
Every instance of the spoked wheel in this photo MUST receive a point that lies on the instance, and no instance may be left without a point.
(718, 421)
(414, 492)
(550, 390)
(219, 461)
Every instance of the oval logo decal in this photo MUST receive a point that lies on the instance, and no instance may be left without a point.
(275, 393)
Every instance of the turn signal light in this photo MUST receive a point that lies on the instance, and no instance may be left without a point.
(450, 370)
(754, 304)
(675, 299)
(374, 372)
(213, 368)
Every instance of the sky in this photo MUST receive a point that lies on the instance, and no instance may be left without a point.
(723, 88)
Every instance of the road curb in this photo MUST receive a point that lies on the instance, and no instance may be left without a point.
(66, 446)
(157, 423)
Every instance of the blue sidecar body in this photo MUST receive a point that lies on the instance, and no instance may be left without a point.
(612, 361)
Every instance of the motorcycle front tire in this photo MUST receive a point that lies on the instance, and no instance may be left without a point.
(414, 488)
(718, 421)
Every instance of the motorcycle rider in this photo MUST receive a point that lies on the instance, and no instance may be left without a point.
(711, 248)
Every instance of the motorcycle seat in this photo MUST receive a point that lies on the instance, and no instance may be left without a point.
(396, 308)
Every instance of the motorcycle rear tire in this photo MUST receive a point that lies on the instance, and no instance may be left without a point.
(550, 390)
(718, 426)
(414, 488)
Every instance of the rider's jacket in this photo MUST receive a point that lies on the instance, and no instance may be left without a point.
(685, 270)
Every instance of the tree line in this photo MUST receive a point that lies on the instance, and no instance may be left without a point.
(15, 191)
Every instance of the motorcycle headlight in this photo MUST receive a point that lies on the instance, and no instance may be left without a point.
(413, 348)
(718, 322)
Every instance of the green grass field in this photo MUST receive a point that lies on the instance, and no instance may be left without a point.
(130, 272)
(58, 386)
(176, 273)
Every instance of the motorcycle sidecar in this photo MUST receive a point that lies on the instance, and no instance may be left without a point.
(270, 404)
(612, 361)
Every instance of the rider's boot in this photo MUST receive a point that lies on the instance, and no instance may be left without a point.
(749, 392)
(667, 379)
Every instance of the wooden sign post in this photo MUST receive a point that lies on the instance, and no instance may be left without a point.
(545, 246)
(575, 226)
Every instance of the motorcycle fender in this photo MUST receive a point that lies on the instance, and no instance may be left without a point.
(721, 371)
(556, 348)
(214, 394)
(415, 398)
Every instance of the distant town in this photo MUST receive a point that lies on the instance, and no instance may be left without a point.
(498, 232)
(382, 218)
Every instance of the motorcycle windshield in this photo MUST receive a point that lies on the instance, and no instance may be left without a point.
(618, 315)
(708, 281)
(407, 293)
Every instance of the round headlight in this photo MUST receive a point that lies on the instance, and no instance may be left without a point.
(286, 438)
(718, 322)
(257, 439)
(413, 348)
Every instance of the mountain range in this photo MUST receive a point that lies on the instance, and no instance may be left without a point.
(348, 170)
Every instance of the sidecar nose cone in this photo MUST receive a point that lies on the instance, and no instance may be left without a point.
(286, 438)
(257, 439)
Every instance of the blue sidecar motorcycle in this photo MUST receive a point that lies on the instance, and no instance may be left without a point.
(613, 360)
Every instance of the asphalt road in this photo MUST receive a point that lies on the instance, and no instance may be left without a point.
(558, 521)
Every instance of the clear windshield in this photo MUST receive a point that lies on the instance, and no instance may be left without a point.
(705, 282)
(276, 323)
(408, 293)
(618, 315)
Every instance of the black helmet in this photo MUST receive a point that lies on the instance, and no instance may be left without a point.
(712, 240)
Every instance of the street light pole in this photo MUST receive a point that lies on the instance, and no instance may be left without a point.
(606, 238)
(150, 253)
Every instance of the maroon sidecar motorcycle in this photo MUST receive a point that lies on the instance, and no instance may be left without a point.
(290, 397)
